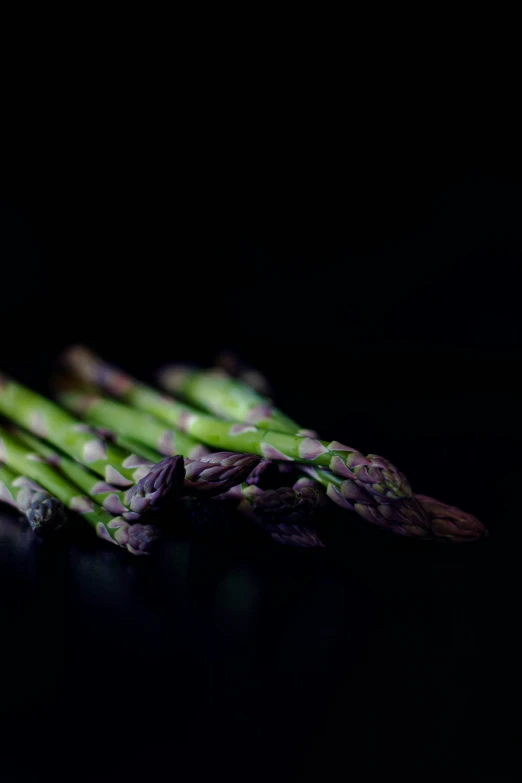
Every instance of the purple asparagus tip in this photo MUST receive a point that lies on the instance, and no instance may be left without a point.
(164, 483)
(286, 504)
(137, 539)
(46, 516)
(282, 513)
(405, 517)
(143, 538)
(450, 523)
(264, 475)
(217, 472)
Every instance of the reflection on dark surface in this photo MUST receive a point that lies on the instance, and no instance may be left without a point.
(236, 651)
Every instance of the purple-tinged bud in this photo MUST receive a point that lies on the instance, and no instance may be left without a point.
(293, 506)
(450, 523)
(405, 517)
(382, 478)
(163, 483)
(137, 539)
(264, 475)
(214, 473)
(46, 516)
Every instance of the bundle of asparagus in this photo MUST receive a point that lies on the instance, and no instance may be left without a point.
(109, 486)
(139, 451)
(222, 470)
(122, 449)
(243, 419)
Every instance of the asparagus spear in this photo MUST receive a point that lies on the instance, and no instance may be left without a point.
(139, 498)
(450, 523)
(135, 446)
(117, 467)
(45, 514)
(212, 473)
(377, 475)
(198, 480)
(227, 396)
(137, 539)
(111, 498)
(279, 513)
(151, 436)
(406, 518)
(280, 520)
(45, 419)
(127, 422)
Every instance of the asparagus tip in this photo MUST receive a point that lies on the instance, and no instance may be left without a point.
(163, 483)
(138, 539)
(214, 473)
(451, 523)
(46, 516)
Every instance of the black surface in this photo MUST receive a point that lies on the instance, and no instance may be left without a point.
(383, 304)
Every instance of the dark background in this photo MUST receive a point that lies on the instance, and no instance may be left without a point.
(378, 290)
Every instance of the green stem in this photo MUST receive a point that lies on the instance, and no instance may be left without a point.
(114, 529)
(19, 491)
(225, 397)
(113, 500)
(235, 437)
(136, 447)
(130, 423)
(47, 420)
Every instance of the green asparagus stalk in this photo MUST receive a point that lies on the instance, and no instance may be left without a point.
(282, 520)
(128, 422)
(264, 474)
(137, 539)
(281, 514)
(45, 514)
(45, 419)
(202, 475)
(377, 475)
(111, 498)
(151, 455)
(118, 468)
(211, 473)
(226, 396)
(138, 498)
(229, 397)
